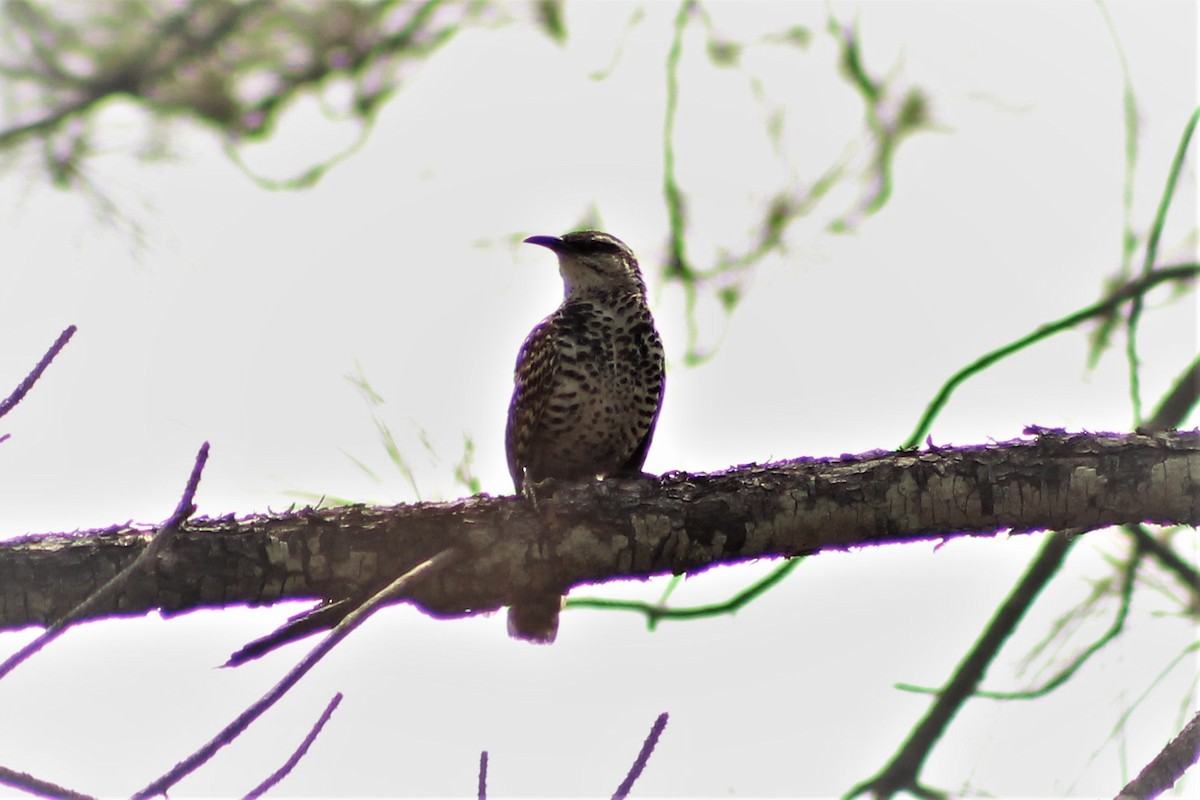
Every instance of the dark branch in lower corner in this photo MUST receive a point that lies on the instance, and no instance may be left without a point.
(1166, 768)
(38, 787)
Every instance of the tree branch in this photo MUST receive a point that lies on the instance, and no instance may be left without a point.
(903, 771)
(1181, 273)
(643, 757)
(281, 773)
(114, 587)
(1168, 766)
(161, 785)
(19, 393)
(38, 787)
(594, 531)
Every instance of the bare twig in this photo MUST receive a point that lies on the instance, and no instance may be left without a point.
(1169, 559)
(1160, 218)
(9, 402)
(1115, 629)
(655, 612)
(1178, 272)
(1168, 766)
(483, 759)
(1180, 401)
(643, 757)
(290, 764)
(183, 510)
(37, 786)
(1129, 237)
(161, 785)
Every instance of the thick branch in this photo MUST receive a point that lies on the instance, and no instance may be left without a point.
(596, 531)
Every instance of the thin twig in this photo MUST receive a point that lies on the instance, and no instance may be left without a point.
(1168, 766)
(656, 612)
(32, 378)
(1156, 228)
(643, 757)
(161, 785)
(183, 510)
(36, 786)
(901, 773)
(483, 758)
(1177, 272)
(1168, 559)
(290, 764)
(1164, 202)
(1115, 629)
(1178, 402)
(1129, 238)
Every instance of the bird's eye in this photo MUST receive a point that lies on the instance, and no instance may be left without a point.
(607, 248)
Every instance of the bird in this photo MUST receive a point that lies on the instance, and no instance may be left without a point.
(589, 384)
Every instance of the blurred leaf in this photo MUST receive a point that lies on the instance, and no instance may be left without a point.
(724, 53)
(550, 19)
(234, 67)
(463, 472)
(729, 297)
(797, 35)
(851, 61)
(914, 112)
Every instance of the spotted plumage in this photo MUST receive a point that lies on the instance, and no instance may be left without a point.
(589, 378)
(589, 385)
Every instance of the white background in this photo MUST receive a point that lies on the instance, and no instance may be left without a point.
(235, 314)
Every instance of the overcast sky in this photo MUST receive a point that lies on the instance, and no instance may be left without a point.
(236, 313)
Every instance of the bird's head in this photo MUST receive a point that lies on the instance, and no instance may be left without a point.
(593, 262)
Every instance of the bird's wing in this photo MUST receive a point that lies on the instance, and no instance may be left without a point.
(638, 457)
(537, 367)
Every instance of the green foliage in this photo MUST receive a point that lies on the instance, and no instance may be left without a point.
(887, 121)
(655, 612)
(550, 19)
(1129, 295)
(235, 67)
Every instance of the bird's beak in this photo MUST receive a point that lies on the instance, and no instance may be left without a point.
(551, 242)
